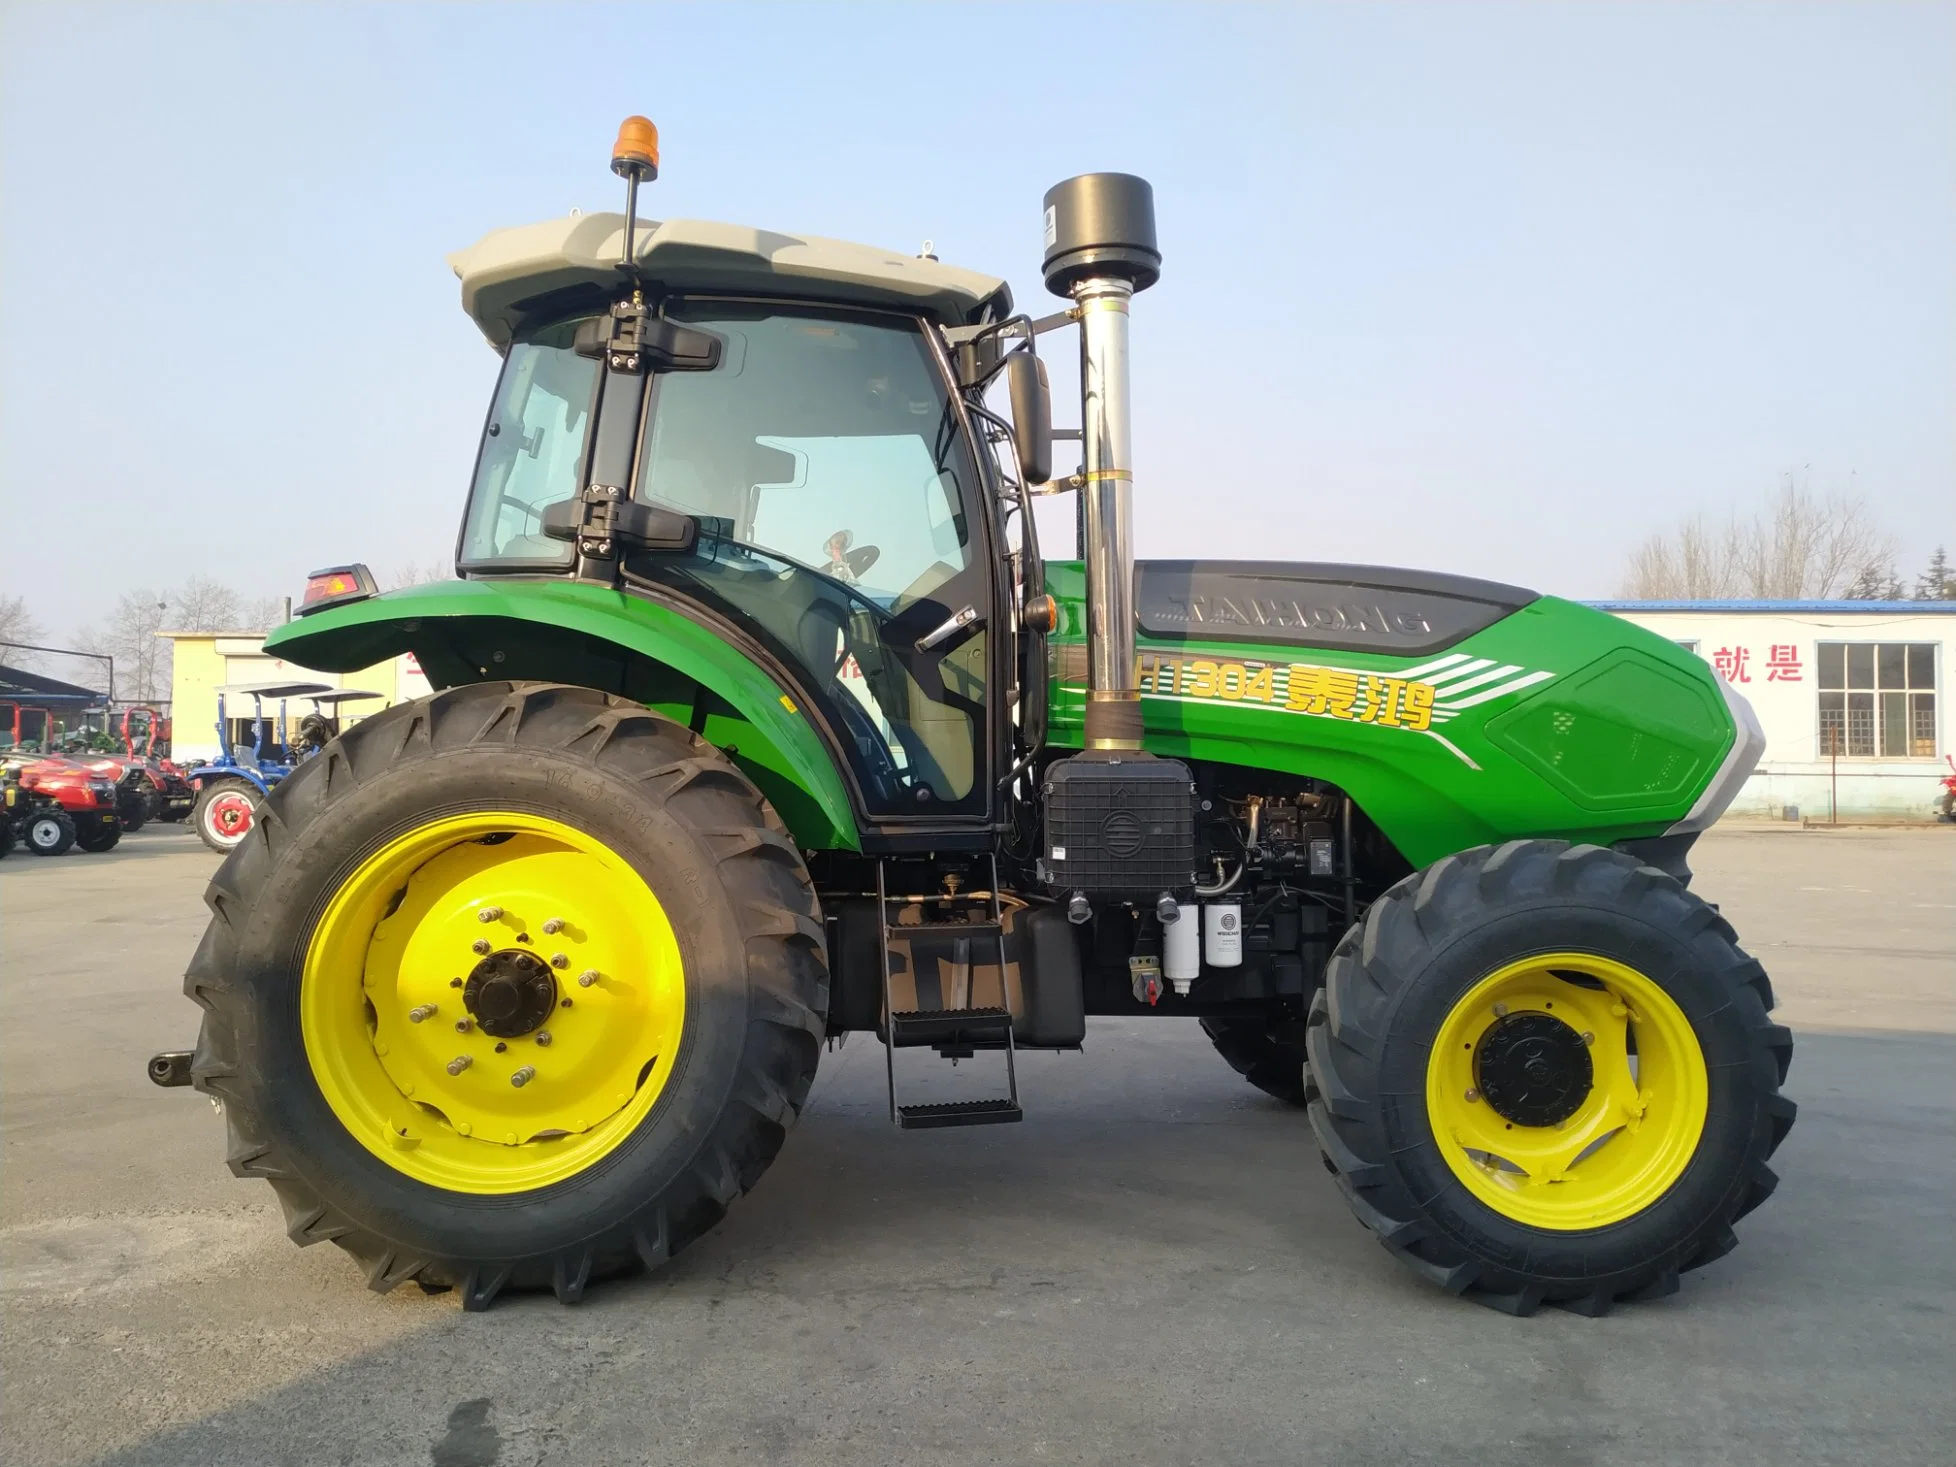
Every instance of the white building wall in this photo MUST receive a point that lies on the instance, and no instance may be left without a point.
(1771, 658)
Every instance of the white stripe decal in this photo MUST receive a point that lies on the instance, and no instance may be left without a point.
(1461, 671)
(1514, 687)
(1454, 750)
(1446, 695)
(1417, 673)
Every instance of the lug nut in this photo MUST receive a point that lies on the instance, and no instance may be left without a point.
(455, 983)
(566, 1003)
(500, 1046)
(460, 1063)
(462, 1026)
(560, 960)
(523, 1077)
(552, 926)
(1500, 1011)
(543, 1038)
(481, 945)
(489, 914)
(1588, 1037)
(587, 977)
(420, 1012)
(1473, 1097)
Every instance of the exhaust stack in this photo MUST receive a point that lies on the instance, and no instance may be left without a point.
(1100, 252)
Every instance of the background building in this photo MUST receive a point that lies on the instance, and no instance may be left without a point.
(207, 661)
(1850, 694)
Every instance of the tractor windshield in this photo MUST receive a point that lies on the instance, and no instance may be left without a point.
(532, 451)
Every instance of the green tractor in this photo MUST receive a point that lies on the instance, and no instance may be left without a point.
(761, 720)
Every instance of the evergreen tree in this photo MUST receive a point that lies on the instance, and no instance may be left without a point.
(1936, 583)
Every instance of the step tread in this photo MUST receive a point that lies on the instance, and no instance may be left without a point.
(959, 1113)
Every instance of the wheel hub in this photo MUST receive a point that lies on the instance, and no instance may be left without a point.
(510, 993)
(1533, 1069)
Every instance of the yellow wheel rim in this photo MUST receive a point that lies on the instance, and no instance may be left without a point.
(490, 919)
(1597, 1152)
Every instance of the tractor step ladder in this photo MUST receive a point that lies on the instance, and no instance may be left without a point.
(955, 1028)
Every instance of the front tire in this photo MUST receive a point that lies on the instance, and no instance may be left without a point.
(1545, 1073)
(590, 830)
(49, 832)
(225, 811)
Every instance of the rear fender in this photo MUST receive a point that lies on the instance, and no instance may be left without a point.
(571, 631)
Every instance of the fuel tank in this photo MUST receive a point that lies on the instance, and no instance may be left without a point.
(1456, 712)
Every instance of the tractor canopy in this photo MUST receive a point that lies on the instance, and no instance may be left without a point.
(535, 273)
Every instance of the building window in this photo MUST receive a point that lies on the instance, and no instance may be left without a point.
(1878, 700)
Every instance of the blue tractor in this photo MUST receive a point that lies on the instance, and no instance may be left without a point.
(231, 786)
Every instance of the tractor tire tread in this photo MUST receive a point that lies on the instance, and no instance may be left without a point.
(787, 978)
(1370, 972)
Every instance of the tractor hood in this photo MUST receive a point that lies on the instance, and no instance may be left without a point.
(540, 271)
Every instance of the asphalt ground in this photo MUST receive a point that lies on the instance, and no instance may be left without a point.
(1153, 1268)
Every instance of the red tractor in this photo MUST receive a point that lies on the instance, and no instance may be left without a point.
(148, 787)
(55, 803)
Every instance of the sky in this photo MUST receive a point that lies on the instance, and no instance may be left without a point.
(1496, 289)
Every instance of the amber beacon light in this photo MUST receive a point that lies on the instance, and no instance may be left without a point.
(636, 153)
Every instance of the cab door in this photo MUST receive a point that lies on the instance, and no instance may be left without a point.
(842, 523)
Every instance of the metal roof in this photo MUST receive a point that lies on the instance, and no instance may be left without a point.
(537, 270)
(1832, 608)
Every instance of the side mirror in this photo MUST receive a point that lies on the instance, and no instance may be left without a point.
(1032, 415)
(634, 526)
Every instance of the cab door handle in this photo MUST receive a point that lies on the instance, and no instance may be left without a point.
(958, 622)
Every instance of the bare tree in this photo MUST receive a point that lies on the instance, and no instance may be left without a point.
(205, 605)
(1798, 546)
(142, 658)
(17, 624)
(418, 573)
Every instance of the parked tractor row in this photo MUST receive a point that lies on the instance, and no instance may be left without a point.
(61, 795)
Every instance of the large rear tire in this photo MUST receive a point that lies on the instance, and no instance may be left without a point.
(566, 832)
(1545, 1073)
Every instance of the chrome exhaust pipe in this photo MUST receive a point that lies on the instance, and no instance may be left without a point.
(1100, 252)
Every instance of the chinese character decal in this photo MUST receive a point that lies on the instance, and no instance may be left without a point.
(1731, 663)
(1782, 664)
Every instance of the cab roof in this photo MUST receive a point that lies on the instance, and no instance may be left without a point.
(535, 272)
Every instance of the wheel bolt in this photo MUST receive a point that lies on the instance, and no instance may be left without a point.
(1500, 1011)
(481, 945)
(460, 1063)
(587, 977)
(455, 983)
(489, 914)
(523, 1077)
(560, 960)
(543, 1038)
(566, 1003)
(500, 1046)
(552, 926)
(1588, 1037)
(1473, 1097)
(420, 1012)
(461, 1026)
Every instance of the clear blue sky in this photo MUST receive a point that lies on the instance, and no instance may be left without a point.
(1491, 288)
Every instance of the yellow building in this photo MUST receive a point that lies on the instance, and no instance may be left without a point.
(207, 661)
